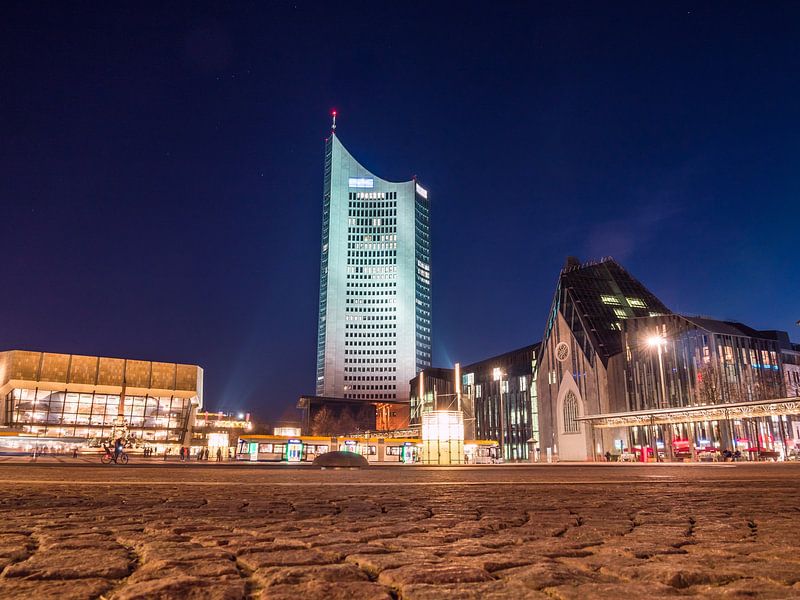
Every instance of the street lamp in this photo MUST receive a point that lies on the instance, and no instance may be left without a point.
(658, 341)
(497, 375)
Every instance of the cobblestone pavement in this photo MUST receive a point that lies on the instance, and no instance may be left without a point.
(81, 531)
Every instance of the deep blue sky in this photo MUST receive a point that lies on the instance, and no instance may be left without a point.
(161, 168)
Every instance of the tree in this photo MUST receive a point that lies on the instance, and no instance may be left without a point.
(345, 424)
(323, 423)
(365, 418)
(709, 390)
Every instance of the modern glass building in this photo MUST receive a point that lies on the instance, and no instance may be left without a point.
(620, 376)
(502, 392)
(95, 398)
(497, 397)
(675, 362)
(581, 367)
(375, 282)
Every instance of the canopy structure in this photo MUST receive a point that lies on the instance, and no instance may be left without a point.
(695, 414)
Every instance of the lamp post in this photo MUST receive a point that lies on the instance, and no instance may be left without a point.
(658, 341)
(497, 375)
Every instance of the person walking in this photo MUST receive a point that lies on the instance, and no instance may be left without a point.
(219, 454)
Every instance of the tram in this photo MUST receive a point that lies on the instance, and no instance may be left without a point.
(304, 449)
(275, 448)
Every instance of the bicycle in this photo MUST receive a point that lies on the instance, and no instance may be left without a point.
(108, 458)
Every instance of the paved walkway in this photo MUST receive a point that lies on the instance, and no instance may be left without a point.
(205, 531)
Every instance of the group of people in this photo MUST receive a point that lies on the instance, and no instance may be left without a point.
(202, 454)
(148, 451)
(729, 456)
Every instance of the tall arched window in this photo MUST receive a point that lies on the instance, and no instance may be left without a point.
(571, 423)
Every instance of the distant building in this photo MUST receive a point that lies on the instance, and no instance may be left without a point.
(219, 430)
(375, 284)
(324, 415)
(501, 392)
(480, 400)
(790, 357)
(95, 398)
(432, 389)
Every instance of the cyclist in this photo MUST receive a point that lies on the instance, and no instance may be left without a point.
(118, 445)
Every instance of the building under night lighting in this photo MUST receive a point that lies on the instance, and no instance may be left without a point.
(93, 398)
(375, 283)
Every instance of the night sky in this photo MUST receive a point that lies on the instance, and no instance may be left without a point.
(161, 168)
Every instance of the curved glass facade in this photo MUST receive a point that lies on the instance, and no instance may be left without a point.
(375, 282)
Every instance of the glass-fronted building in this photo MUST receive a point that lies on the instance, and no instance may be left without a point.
(679, 361)
(622, 377)
(97, 398)
(502, 393)
(375, 283)
(497, 397)
(581, 366)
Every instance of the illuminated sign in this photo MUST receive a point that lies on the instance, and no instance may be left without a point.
(218, 440)
(295, 441)
(361, 182)
(421, 191)
(349, 443)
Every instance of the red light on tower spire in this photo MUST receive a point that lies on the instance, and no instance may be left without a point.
(333, 126)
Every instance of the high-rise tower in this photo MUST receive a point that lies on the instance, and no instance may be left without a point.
(375, 282)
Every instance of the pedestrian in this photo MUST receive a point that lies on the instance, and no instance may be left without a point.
(205, 453)
(74, 453)
(219, 454)
(608, 456)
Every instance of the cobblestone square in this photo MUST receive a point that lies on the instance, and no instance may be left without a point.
(74, 531)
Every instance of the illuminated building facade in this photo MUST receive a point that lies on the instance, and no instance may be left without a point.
(512, 420)
(678, 361)
(433, 389)
(501, 391)
(581, 367)
(219, 430)
(703, 361)
(96, 398)
(620, 374)
(374, 330)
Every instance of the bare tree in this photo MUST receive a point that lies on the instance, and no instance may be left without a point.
(324, 422)
(709, 390)
(345, 424)
(365, 418)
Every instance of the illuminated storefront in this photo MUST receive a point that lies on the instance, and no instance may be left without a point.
(755, 429)
(219, 431)
(443, 437)
(95, 398)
